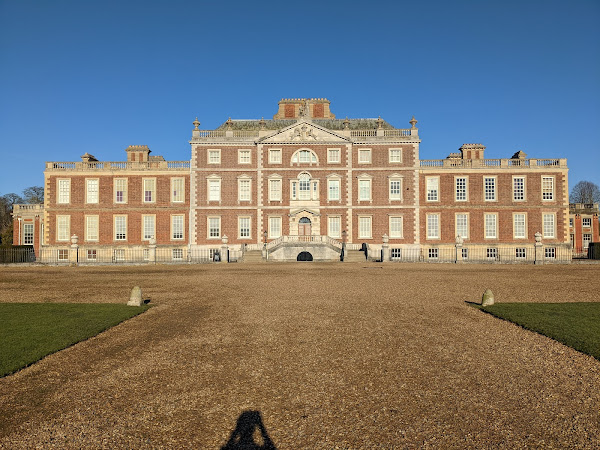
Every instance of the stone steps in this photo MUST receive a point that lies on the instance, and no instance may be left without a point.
(354, 256)
(253, 256)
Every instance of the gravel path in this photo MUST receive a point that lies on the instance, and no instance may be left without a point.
(327, 355)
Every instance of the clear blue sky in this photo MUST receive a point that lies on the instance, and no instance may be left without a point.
(80, 76)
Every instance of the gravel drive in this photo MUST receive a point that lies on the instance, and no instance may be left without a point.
(323, 355)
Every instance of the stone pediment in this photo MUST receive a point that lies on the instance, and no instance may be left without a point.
(304, 132)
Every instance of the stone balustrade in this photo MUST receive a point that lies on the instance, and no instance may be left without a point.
(117, 165)
(34, 207)
(453, 163)
(309, 239)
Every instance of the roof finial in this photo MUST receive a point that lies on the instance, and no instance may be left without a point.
(413, 122)
(262, 123)
(346, 123)
(379, 122)
(229, 123)
(196, 124)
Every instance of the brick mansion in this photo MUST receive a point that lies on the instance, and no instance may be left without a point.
(303, 185)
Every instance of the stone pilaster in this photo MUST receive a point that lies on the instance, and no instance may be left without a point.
(74, 250)
(152, 251)
(385, 249)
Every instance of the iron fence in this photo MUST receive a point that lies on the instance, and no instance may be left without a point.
(17, 255)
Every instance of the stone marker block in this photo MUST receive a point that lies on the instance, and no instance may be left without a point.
(135, 299)
(488, 298)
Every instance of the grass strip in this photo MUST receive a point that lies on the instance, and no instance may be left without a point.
(576, 325)
(31, 331)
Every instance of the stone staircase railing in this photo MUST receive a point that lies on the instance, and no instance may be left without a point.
(294, 240)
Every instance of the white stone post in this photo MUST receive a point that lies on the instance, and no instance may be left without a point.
(539, 249)
(152, 251)
(458, 246)
(385, 247)
(73, 252)
(224, 249)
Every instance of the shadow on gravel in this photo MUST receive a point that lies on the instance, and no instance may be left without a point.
(249, 434)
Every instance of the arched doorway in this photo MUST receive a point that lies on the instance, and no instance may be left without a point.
(304, 256)
(304, 227)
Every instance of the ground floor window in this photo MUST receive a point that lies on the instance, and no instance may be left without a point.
(63, 255)
(492, 253)
(433, 253)
(28, 234)
(396, 254)
(92, 255)
(177, 254)
(550, 252)
(465, 253)
(119, 254)
(520, 253)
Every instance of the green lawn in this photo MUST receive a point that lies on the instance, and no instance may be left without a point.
(574, 324)
(30, 331)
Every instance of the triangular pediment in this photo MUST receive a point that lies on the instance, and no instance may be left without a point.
(305, 132)
(295, 212)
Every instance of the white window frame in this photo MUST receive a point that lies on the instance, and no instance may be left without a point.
(28, 233)
(432, 186)
(313, 188)
(524, 189)
(244, 156)
(148, 227)
(458, 198)
(297, 157)
(549, 226)
(92, 193)
(367, 181)
(177, 218)
(365, 232)
(213, 156)
(117, 228)
(364, 156)
(63, 191)
(216, 181)
(63, 228)
(457, 217)
(331, 152)
(177, 192)
(275, 156)
(517, 223)
(242, 219)
(149, 183)
(548, 195)
(275, 189)
(394, 233)
(92, 228)
(275, 224)
(433, 225)
(393, 156)
(218, 227)
(331, 229)
(584, 220)
(116, 187)
(486, 229)
(395, 179)
(244, 189)
(331, 182)
(493, 197)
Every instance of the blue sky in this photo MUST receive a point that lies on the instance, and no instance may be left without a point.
(80, 76)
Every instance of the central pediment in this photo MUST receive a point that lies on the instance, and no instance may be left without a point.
(304, 132)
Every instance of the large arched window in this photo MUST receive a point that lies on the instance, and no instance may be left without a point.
(305, 157)
(304, 187)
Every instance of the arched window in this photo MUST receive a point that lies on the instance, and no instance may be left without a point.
(304, 157)
(305, 188)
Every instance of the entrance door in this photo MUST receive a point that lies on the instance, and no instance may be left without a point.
(304, 227)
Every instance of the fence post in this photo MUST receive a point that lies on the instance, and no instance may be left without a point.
(539, 249)
(152, 251)
(385, 248)
(74, 250)
(224, 249)
(458, 250)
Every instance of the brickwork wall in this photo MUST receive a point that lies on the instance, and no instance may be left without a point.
(106, 208)
(476, 206)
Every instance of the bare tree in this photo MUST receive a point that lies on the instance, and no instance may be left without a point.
(585, 192)
(33, 194)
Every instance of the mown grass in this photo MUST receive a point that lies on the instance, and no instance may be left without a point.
(574, 324)
(31, 331)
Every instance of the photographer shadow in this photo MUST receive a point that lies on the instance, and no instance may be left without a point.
(249, 434)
